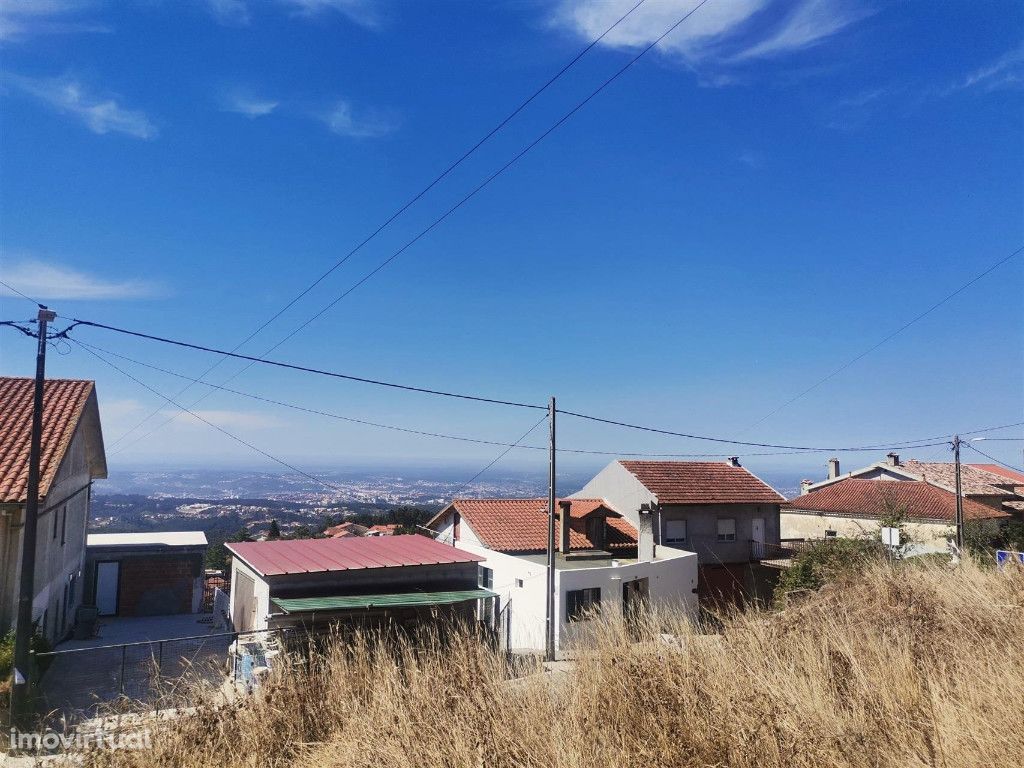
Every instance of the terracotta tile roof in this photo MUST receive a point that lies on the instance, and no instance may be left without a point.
(385, 529)
(342, 530)
(974, 481)
(275, 558)
(64, 401)
(853, 496)
(702, 482)
(521, 525)
(1011, 475)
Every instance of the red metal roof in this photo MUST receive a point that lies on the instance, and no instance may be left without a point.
(521, 525)
(870, 498)
(64, 401)
(275, 558)
(1010, 474)
(702, 482)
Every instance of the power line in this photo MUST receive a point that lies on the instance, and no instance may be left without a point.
(992, 458)
(402, 209)
(302, 368)
(209, 423)
(461, 396)
(11, 288)
(499, 457)
(369, 275)
(423, 433)
(888, 338)
(727, 441)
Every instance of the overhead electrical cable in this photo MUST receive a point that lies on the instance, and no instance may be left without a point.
(476, 190)
(404, 207)
(887, 338)
(992, 458)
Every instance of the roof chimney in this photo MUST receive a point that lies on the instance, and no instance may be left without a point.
(805, 486)
(734, 461)
(892, 459)
(645, 534)
(833, 468)
(564, 515)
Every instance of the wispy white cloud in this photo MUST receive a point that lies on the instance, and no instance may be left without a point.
(1005, 72)
(24, 19)
(365, 13)
(720, 33)
(343, 120)
(48, 280)
(808, 24)
(234, 13)
(100, 114)
(245, 103)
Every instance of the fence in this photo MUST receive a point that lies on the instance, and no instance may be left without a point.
(81, 683)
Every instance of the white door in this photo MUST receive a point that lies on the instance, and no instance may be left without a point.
(108, 576)
(757, 537)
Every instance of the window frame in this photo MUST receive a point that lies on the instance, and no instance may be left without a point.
(725, 538)
(582, 604)
(675, 539)
(485, 577)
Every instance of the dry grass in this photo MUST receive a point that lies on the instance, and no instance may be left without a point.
(905, 666)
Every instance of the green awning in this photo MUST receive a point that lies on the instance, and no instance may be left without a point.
(397, 600)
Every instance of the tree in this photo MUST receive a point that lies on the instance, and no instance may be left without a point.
(274, 531)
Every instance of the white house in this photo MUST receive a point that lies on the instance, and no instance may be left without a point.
(72, 457)
(603, 563)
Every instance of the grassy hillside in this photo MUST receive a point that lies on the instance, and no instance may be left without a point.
(895, 666)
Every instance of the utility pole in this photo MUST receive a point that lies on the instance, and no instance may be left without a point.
(549, 654)
(23, 627)
(959, 497)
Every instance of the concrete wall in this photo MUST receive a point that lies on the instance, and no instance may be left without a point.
(672, 581)
(812, 525)
(702, 529)
(522, 586)
(259, 603)
(60, 548)
(620, 488)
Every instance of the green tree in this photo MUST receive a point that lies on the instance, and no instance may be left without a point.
(274, 531)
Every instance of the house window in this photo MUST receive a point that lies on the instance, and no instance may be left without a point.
(675, 531)
(519, 583)
(726, 529)
(581, 602)
(54, 523)
(830, 534)
(486, 578)
(63, 526)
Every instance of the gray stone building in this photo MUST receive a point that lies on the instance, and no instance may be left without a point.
(719, 510)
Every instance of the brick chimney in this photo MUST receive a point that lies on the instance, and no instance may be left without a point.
(564, 517)
(833, 468)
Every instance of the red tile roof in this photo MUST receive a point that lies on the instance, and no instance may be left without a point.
(1012, 475)
(64, 401)
(974, 481)
(275, 558)
(702, 482)
(868, 498)
(521, 525)
(386, 529)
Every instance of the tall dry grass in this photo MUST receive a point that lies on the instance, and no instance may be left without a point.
(896, 666)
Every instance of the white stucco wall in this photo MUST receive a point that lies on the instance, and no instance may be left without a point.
(672, 580)
(261, 594)
(446, 530)
(620, 488)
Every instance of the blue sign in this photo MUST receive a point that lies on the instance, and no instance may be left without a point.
(1004, 556)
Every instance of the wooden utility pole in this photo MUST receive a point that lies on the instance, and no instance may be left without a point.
(549, 653)
(23, 627)
(959, 497)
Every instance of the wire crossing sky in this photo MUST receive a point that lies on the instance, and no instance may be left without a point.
(775, 223)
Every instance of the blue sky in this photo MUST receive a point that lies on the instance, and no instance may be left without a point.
(765, 195)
